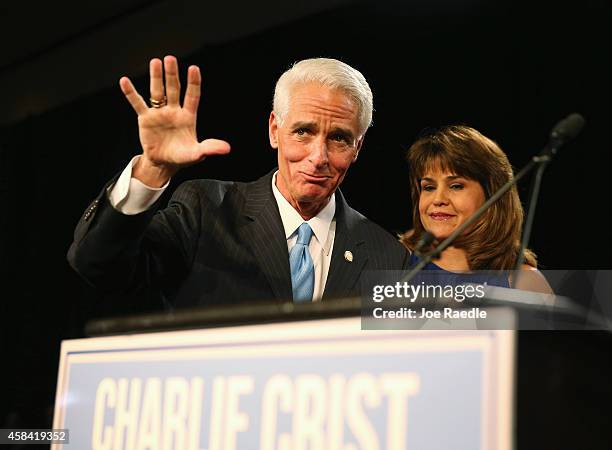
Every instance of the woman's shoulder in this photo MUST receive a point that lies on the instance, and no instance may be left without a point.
(531, 279)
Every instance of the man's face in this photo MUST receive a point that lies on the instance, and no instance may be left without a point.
(318, 140)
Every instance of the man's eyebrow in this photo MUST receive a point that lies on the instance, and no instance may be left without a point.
(303, 124)
(344, 131)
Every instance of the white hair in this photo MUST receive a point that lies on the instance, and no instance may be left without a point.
(327, 72)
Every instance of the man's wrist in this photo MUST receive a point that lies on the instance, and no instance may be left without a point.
(150, 174)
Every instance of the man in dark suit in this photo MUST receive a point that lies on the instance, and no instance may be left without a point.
(289, 235)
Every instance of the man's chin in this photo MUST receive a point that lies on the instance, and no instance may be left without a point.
(314, 193)
(314, 198)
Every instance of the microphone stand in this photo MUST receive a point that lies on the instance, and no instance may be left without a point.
(565, 130)
(533, 200)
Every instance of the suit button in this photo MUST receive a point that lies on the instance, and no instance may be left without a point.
(90, 210)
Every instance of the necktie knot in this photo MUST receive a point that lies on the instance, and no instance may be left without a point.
(304, 234)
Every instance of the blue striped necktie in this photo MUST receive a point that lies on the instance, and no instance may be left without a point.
(302, 268)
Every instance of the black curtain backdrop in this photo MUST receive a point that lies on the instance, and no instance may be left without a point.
(511, 70)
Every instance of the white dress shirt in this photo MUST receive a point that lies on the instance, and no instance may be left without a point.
(130, 196)
(322, 242)
(140, 197)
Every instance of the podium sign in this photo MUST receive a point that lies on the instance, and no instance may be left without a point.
(323, 384)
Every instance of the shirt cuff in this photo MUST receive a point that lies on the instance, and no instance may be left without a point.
(131, 196)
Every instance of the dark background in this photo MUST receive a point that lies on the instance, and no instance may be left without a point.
(510, 69)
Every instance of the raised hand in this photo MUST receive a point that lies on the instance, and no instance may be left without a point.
(168, 131)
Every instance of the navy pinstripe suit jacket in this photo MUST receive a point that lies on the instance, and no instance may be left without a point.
(218, 242)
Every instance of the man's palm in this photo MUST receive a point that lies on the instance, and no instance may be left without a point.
(168, 133)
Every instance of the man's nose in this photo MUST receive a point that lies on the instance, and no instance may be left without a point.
(319, 156)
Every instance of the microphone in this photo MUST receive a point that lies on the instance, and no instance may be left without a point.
(564, 131)
(426, 240)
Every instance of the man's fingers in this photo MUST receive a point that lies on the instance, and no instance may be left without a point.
(157, 80)
(132, 95)
(213, 147)
(192, 93)
(173, 84)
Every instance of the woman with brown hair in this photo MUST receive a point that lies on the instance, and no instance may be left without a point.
(453, 170)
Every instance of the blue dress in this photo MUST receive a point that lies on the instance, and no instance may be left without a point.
(432, 273)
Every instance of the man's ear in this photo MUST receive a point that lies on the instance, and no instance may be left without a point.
(357, 148)
(273, 130)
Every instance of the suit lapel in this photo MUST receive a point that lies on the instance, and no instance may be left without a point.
(345, 268)
(266, 235)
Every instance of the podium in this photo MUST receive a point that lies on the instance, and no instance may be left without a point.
(285, 376)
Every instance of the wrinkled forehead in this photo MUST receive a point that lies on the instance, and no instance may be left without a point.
(320, 104)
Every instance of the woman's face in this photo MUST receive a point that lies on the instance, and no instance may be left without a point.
(447, 200)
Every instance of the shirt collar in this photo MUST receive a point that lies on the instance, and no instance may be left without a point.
(291, 219)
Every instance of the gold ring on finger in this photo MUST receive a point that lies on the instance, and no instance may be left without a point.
(158, 103)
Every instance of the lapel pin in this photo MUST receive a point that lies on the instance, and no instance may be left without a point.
(348, 256)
